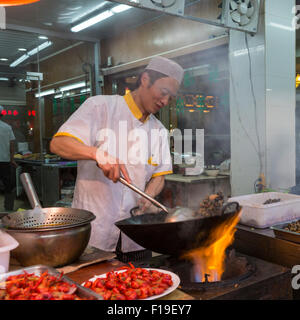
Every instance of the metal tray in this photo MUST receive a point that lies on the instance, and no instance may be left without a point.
(286, 234)
(82, 292)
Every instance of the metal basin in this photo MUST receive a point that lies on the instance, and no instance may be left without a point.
(54, 248)
(48, 236)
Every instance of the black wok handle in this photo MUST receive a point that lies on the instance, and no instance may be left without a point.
(227, 205)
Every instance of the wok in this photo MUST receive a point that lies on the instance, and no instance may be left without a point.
(152, 232)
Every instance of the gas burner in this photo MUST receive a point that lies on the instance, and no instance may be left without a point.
(245, 277)
(237, 269)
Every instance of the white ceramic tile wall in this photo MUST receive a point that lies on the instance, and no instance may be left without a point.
(272, 52)
(280, 131)
(280, 43)
(244, 146)
(280, 97)
(280, 8)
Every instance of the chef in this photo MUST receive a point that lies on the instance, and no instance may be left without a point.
(113, 136)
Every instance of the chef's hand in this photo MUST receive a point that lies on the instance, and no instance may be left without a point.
(146, 206)
(111, 167)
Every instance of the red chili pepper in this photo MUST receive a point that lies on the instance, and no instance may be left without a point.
(68, 297)
(61, 275)
(134, 283)
(88, 284)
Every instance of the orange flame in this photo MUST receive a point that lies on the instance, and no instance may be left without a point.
(209, 259)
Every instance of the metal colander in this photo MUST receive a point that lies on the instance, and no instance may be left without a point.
(47, 218)
(41, 219)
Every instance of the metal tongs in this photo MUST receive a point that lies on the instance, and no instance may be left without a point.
(173, 215)
(143, 194)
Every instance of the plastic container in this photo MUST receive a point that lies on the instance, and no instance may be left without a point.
(259, 215)
(7, 243)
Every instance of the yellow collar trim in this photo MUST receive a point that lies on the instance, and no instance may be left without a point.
(133, 107)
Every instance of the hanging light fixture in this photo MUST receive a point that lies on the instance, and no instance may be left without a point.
(6, 3)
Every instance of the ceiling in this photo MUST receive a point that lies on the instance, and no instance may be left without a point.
(61, 15)
(54, 18)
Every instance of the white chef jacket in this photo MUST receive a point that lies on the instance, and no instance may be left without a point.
(6, 135)
(109, 201)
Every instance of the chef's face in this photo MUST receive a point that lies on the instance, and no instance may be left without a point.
(159, 94)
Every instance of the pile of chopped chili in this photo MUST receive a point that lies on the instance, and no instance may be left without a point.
(29, 286)
(131, 284)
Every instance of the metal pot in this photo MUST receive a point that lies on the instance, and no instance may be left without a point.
(54, 248)
(49, 236)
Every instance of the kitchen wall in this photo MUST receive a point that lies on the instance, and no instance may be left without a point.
(262, 102)
(68, 64)
(71, 65)
(162, 35)
(12, 93)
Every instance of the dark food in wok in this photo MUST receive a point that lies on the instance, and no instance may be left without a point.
(151, 230)
(211, 205)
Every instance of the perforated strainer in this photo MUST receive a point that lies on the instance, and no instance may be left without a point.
(41, 219)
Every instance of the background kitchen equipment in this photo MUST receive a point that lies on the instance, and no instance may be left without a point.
(259, 215)
(151, 230)
(192, 164)
(50, 236)
(211, 170)
(7, 243)
(282, 231)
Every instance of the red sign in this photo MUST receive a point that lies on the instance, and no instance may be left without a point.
(5, 3)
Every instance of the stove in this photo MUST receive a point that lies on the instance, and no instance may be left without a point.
(245, 278)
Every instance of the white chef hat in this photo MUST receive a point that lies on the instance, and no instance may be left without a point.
(166, 66)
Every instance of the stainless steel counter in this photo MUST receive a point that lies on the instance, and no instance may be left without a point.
(57, 163)
(193, 179)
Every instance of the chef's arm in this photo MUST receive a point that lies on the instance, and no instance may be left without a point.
(70, 148)
(153, 188)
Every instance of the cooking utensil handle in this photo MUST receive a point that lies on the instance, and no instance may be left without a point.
(143, 194)
(231, 204)
(30, 190)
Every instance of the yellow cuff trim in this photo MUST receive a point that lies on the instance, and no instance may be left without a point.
(66, 134)
(161, 173)
(150, 161)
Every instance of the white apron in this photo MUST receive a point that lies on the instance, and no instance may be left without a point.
(109, 201)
